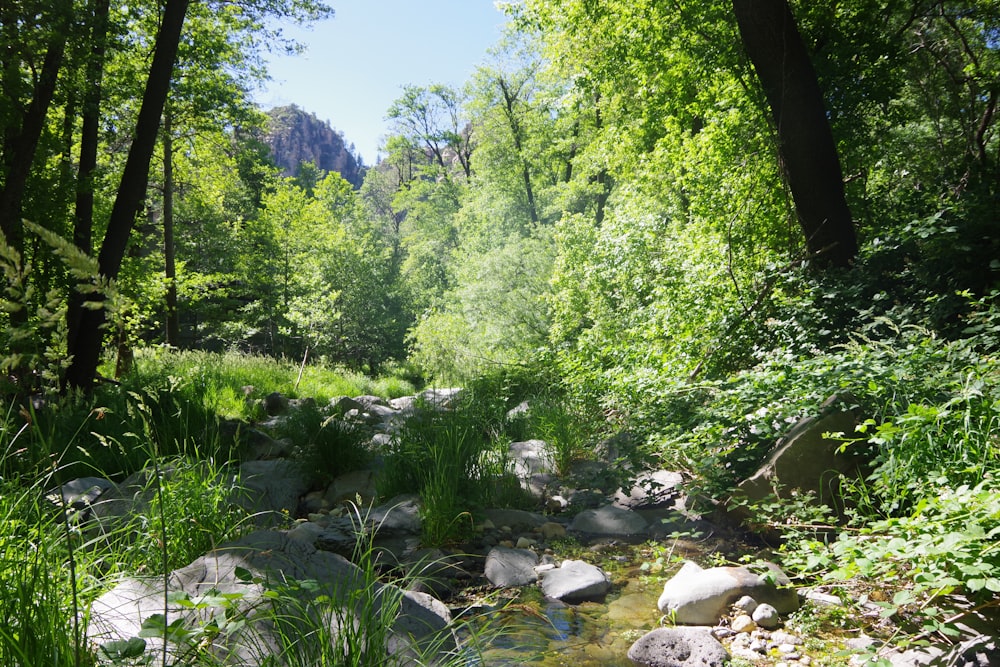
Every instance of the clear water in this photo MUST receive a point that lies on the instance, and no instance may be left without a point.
(592, 634)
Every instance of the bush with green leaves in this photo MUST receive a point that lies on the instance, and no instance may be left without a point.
(929, 569)
(325, 446)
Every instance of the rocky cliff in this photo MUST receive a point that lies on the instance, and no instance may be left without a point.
(295, 136)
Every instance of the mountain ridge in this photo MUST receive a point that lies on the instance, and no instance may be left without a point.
(295, 136)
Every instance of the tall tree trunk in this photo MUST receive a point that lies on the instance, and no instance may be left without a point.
(20, 145)
(603, 179)
(86, 351)
(83, 222)
(169, 263)
(808, 153)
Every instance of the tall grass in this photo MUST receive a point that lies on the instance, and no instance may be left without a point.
(38, 592)
(223, 383)
(163, 422)
(325, 447)
(457, 461)
(354, 624)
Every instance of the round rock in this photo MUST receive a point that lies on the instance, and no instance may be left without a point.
(766, 617)
(678, 647)
(743, 623)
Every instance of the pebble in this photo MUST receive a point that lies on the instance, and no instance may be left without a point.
(783, 637)
(743, 623)
(766, 617)
(746, 604)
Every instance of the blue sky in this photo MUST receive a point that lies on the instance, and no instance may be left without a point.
(357, 63)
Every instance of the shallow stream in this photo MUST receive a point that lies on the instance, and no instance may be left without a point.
(591, 634)
(532, 630)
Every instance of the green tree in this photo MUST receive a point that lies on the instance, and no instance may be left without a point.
(809, 158)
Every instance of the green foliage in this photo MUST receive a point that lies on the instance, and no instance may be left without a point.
(920, 566)
(495, 315)
(41, 597)
(326, 447)
(568, 433)
(228, 384)
(456, 460)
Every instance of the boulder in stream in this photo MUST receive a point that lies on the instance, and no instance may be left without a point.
(575, 581)
(696, 596)
(511, 567)
(678, 647)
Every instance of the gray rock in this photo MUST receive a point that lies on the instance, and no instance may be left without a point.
(80, 493)
(610, 521)
(511, 567)
(341, 405)
(270, 490)
(520, 410)
(532, 465)
(442, 399)
(696, 596)
(403, 403)
(274, 562)
(398, 517)
(766, 616)
(804, 459)
(678, 647)
(650, 490)
(368, 401)
(258, 446)
(274, 404)
(351, 486)
(575, 581)
(746, 604)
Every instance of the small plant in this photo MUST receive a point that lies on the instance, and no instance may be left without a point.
(326, 447)
(449, 459)
(565, 433)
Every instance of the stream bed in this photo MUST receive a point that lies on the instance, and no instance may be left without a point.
(533, 630)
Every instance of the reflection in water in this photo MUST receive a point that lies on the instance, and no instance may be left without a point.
(552, 633)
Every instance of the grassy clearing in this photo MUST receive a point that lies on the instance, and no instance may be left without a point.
(163, 421)
(224, 382)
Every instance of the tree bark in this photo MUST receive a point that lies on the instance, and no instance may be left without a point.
(19, 147)
(86, 350)
(169, 260)
(808, 154)
(83, 221)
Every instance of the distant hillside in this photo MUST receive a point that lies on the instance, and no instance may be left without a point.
(295, 136)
